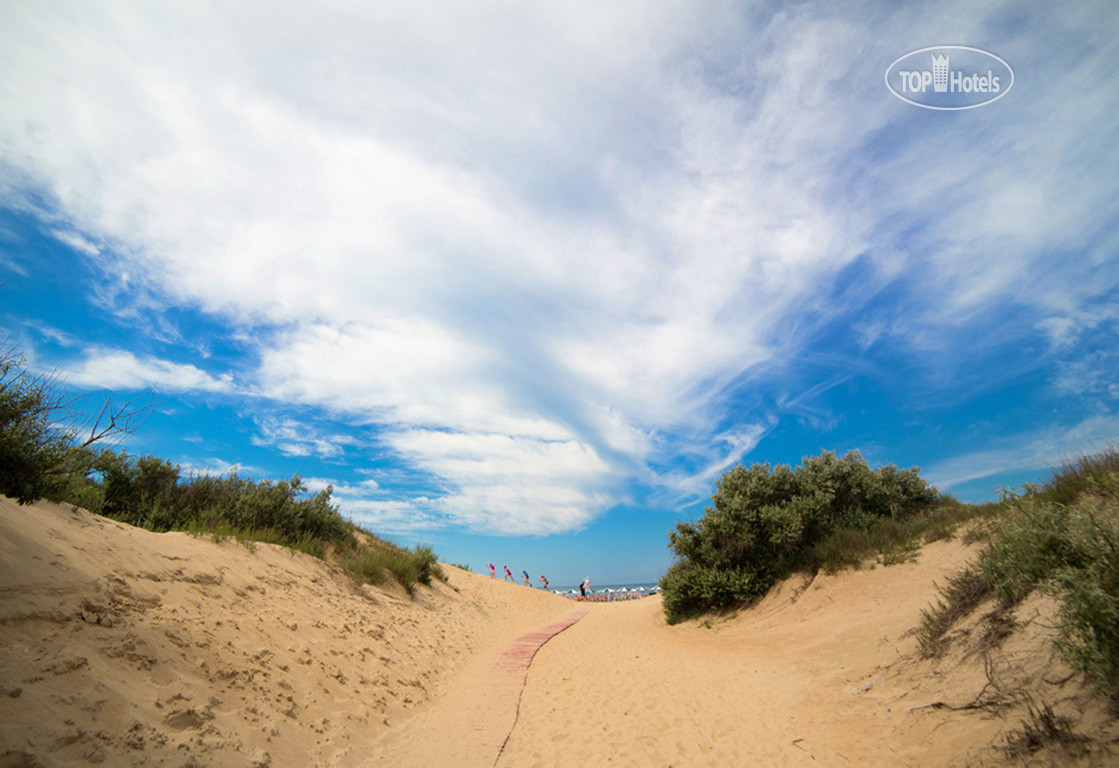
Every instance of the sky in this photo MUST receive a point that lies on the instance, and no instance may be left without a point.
(521, 280)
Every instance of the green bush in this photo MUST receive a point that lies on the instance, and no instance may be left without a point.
(374, 557)
(690, 591)
(33, 451)
(149, 492)
(367, 563)
(40, 454)
(1071, 553)
(1027, 546)
(766, 521)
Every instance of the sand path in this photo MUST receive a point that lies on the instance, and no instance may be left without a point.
(824, 672)
(470, 724)
(807, 677)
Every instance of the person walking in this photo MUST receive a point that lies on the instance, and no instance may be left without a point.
(545, 580)
(508, 574)
(528, 583)
(584, 585)
(493, 571)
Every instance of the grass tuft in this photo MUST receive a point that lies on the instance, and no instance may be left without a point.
(958, 598)
(1081, 476)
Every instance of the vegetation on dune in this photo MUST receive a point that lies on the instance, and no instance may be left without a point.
(29, 448)
(1061, 538)
(37, 454)
(767, 522)
(40, 459)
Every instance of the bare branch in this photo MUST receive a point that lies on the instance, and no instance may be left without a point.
(114, 421)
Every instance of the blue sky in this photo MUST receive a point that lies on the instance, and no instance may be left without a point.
(520, 280)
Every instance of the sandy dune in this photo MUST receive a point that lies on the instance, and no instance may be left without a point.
(132, 648)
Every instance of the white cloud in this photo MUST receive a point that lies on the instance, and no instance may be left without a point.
(535, 248)
(104, 368)
(509, 484)
(368, 505)
(77, 242)
(219, 467)
(713, 458)
(1092, 374)
(391, 516)
(50, 334)
(300, 437)
(342, 490)
(1060, 330)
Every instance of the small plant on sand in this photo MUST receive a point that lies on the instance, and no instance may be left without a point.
(1042, 729)
(958, 598)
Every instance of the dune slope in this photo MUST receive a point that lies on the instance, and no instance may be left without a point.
(128, 647)
(132, 648)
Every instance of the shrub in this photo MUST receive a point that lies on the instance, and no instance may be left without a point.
(373, 557)
(367, 563)
(40, 455)
(149, 492)
(32, 449)
(766, 521)
(1028, 545)
(1088, 590)
(1077, 477)
(690, 591)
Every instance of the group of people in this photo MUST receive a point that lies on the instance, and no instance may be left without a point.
(585, 592)
(509, 576)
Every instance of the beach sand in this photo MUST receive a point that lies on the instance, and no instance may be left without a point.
(125, 647)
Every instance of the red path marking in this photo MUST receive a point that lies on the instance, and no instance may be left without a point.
(477, 715)
(511, 667)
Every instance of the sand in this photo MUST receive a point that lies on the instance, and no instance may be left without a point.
(126, 647)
